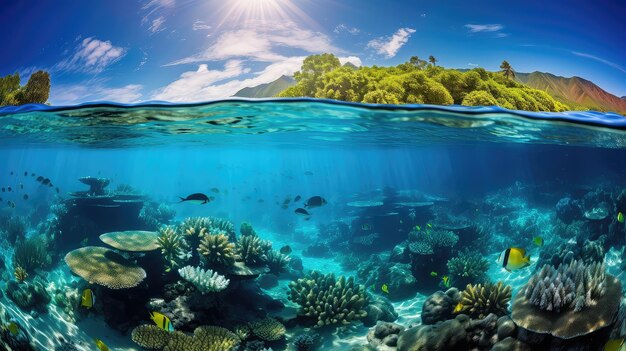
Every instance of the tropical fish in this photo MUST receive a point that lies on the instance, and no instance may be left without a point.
(614, 344)
(2, 189)
(21, 186)
(12, 327)
(9, 189)
(315, 201)
(25, 174)
(215, 190)
(285, 250)
(197, 198)
(46, 181)
(302, 212)
(429, 225)
(433, 274)
(446, 281)
(538, 241)
(385, 288)
(162, 321)
(88, 299)
(620, 217)
(25, 197)
(39, 179)
(458, 308)
(418, 228)
(514, 258)
(297, 198)
(101, 345)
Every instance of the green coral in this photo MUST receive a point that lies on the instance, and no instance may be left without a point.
(329, 300)
(479, 300)
(468, 267)
(223, 226)
(242, 331)
(211, 338)
(268, 329)
(173, 247)
(252, 250)
(204, 338)
(430, 242)
(150, 337)
(276, 261)
(31, 254)
(217, 251)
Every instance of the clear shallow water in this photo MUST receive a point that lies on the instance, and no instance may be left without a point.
(499, 170)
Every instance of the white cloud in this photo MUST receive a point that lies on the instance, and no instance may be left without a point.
(155, 12)
(352, 59)
(389, 46)
(157, 24)
(601, 60)
(92, 56)
(477, 28)
(472, 64)
(94, 91)
(343, 28)
(261, 41)
(200, 25)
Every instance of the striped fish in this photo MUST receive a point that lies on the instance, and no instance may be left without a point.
(162, 321)
(88, 299)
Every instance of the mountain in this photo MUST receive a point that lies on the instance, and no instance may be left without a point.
(575, 92)
(268, 89)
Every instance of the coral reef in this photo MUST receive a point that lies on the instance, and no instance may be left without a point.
(379, 309)
(217, 251)
(246, 229)
(20, 274)
(174, 249)
(206, 281)
(328, 300)
(31, 295)
(252, 250)
(573, 285)
(468, 268)
(568, 210)
(204, 338)
(13, 228)
(440, 306)
(150, 337)
(384, 336)
(104, 267)
(430, 251)
(96, 185)
(306, 342)
(155, 215)
(268, 329)
(397, 276)
(31, 254)
(430, 242)
(242, 331)
(276, 261)
(480, 300)
(132, 240)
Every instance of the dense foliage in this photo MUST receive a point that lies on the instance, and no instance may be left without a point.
(36, 90)
(416, 82)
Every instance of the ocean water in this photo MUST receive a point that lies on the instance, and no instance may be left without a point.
(490, 179)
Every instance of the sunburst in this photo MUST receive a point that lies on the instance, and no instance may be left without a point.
(234, 13)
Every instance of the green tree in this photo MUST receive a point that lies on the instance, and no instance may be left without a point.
(8, 85)
(507, 70)
(417, 62)
(313, 67)
(479, 98)
(432, 60)
(37, 88)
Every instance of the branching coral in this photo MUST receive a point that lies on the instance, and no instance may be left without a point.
(306, 342)
(268, 329)
(242, 331)
(20, 274)
(575, 285)
(252, 250)
(223, 226)
(217, 250)
(329, 300)
(276, 261)
(246, 229)
(468, 267)
(205, 281)
(31, 254)
(173, 247)
(480, 300)
(428, 242)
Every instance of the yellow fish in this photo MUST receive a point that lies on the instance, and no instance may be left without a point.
(88, 299)
(429, 226)
(162, 321)
(514, 258)
(446, 281)
(458, 308)
(385, 288)
(614, 345)
(12, 327)
(620, 217)
(101, 345)
(433, 274)
(418, 228)
(538, 241)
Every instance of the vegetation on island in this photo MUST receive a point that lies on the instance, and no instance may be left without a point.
(36, 90)
(417, 82)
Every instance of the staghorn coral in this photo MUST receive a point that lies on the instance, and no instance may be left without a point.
(276, 261)
(173, 247)
(20, 274)
(268, 329)
(104, 267)
(31, 254)
(575, 285)
(467, 268)
(252, 250)
(329, 300)
(205, 281)
(223, 226)
(429, 242)
(246, 229)
(217, 251)
(150, 337)
(132, 240)
(480, 300)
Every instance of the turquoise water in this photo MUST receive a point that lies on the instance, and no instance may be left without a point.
(496, 179)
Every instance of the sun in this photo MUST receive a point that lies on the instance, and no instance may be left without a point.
(237, 12)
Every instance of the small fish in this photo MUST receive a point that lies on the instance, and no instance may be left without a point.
(514, 258)
(21, 186)
(285, 250)
(162, 321)
(446, 281)
(614, 345)
(538, 241)
(620, 217)
(46, 181)
(32, 174)
(458, 308)
(315, 201)
(297, 198)
(385, 288)
(9, 189)
(11, 172)
(2, 189)
(40, 178)
(88, 299)
(215, 190)
(12, 327)
(101, 345)
(433, 274)
(429, 225)
(302, 212)
(25, 197)
(25, 174)
(197, 198)
(418, 228)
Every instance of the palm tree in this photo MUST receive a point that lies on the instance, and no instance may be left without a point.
(507, 70)
(432, 60)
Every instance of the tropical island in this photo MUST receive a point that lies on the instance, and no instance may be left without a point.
(36, 90)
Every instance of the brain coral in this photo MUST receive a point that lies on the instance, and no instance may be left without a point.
(104, 267)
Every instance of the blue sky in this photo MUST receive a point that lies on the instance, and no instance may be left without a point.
(182, 50)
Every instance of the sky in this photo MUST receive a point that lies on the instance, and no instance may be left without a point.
(198, 50)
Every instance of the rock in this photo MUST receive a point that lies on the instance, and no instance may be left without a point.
(379, 309)
(481, 333)
(400, 254)
(439, 306)
(317, 250)
(267, 281)
(296, 263)
(567, 210)
(506, 327)
(449, 335)
(30, 296)
(510, 344)
(384, 336)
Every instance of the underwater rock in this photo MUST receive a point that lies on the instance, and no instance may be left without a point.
(439, 306)
(29, 295)
(397, 276)
(379, 309)
(317, 250)
(506, 327)
(267, 281)
(400, 253)
(296, 264)
(384, 336)
(568, 210)
(510, 344)
(96, 185)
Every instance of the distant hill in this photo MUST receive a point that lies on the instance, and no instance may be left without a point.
(268, 89)
(575, 91)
